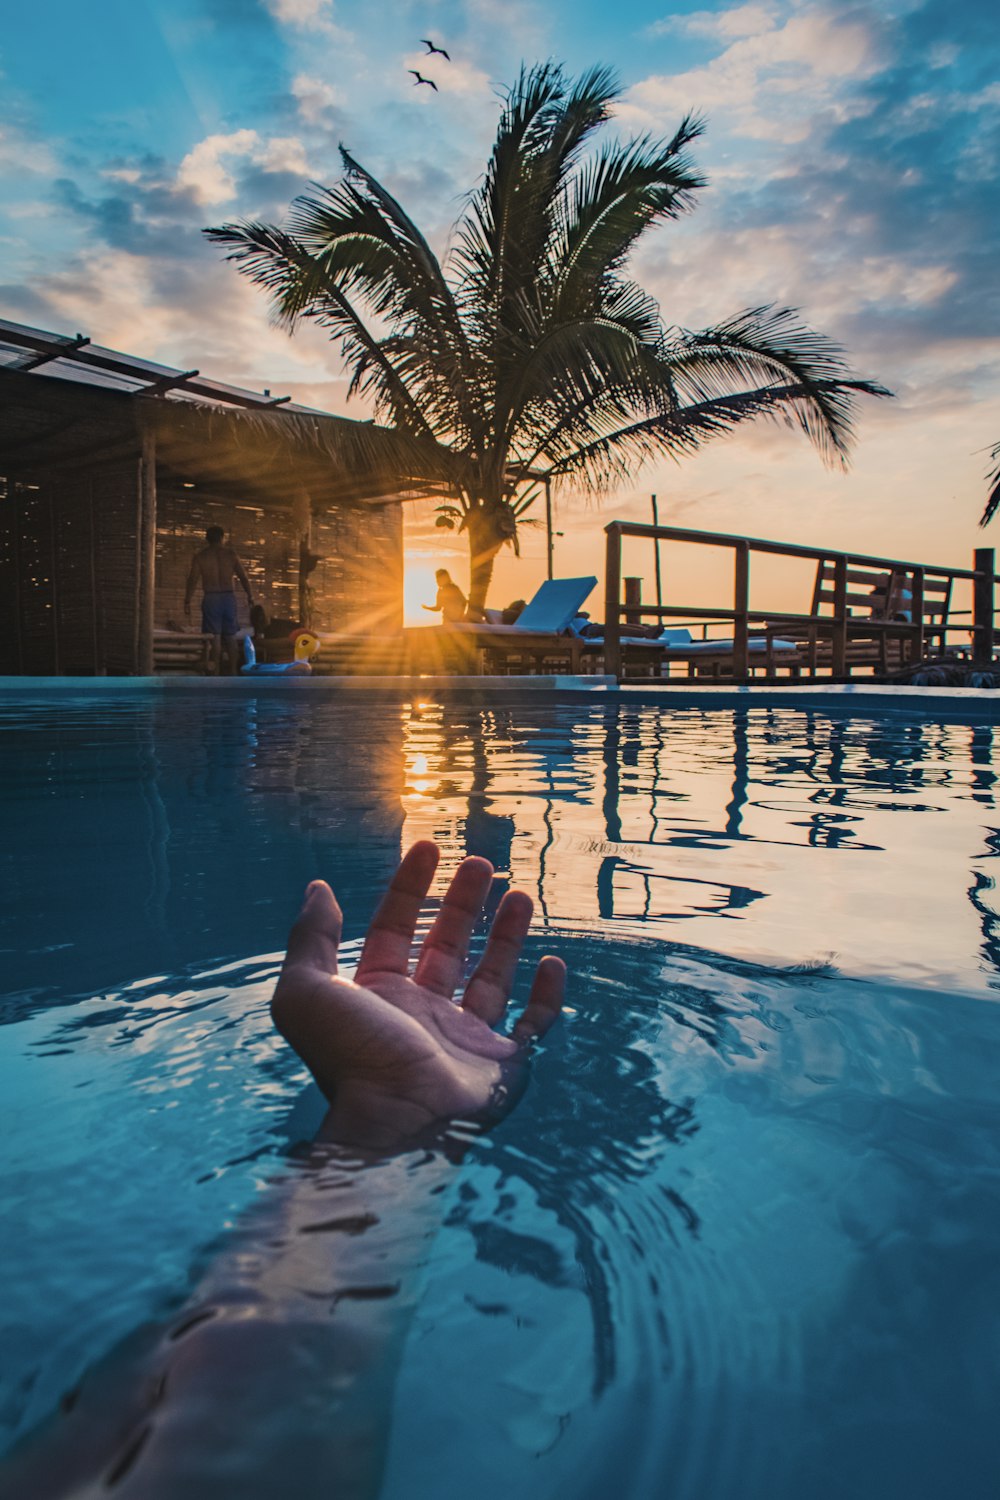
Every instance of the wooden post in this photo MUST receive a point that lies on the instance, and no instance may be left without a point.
(656, 559)
(54, 581)
(741, 604)
(548, 527)
(302, 524)
(918, 645)
(14, 494)
(146, 582)
(95, 628)
(612, 598)
(838, 645)
(982, 606)
(633, 601)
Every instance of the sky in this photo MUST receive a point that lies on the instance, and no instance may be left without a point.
(852, 155)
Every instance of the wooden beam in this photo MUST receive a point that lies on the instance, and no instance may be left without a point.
(45, 356)
(169, 382)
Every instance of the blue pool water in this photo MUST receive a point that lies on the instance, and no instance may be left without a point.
(742, 1236)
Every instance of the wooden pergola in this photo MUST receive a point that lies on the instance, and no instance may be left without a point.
(70, 408)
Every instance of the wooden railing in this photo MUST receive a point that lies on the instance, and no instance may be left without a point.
(836, 626)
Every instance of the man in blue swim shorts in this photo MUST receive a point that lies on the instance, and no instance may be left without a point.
(216, 568)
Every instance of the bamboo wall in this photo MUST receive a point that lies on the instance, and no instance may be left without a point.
(69, 566)
(68, 570)
(356, 588)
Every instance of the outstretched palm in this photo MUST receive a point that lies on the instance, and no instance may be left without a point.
(393, 1052)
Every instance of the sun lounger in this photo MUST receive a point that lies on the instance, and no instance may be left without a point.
(646, 655)
(539, 640)
(714, 658)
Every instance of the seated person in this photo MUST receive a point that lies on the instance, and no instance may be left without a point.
(892, 598)
(450, 599)
(272, 638)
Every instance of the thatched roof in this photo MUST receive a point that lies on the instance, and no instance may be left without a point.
(65, 403)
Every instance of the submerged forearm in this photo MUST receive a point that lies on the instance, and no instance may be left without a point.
(279, 1369)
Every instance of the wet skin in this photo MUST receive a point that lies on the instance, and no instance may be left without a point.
(294, 1332)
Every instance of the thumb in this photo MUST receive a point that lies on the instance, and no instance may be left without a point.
(315, 938)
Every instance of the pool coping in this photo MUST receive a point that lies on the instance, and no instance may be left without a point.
(286, 682)
(981, 704)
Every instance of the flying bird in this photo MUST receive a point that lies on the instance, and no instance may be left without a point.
(431, 49)
(421, 79)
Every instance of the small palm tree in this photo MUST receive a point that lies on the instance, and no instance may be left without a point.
(993, 480)
(530, 354)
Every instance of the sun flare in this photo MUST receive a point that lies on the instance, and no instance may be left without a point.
(419, 588)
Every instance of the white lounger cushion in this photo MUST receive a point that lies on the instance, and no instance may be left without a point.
(679, 642)
(756, 643)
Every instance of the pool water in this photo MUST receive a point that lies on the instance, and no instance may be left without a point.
(742, 1236)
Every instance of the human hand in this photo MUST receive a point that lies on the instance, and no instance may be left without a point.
(392, 1052)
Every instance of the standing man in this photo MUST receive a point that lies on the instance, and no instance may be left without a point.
(217, 567)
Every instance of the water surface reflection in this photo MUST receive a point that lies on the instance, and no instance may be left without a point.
(741, 1233)
(813, 837)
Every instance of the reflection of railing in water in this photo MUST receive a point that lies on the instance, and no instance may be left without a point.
(826, 637)
(984, 782)
(625, 815)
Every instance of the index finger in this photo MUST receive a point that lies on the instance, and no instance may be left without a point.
(390, 936)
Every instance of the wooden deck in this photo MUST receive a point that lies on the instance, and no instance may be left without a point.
(867, 616)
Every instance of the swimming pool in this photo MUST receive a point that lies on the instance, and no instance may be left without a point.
(741, 1237)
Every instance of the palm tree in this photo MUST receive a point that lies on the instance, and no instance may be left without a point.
(529, 353)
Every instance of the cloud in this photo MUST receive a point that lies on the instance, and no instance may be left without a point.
(21, 153)
(283, 153)
(742, 20)
(207, 172)
(459, 76)
(202, 172)
(183, 306)
(773, 78)
(314, 98)
(306, 15)
(300, 12)
(859, 154)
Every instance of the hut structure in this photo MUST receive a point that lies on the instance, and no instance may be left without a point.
(112, 467)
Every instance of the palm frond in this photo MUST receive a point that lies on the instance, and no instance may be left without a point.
(615, 455)
(300, 286)
(771, 345)
(993, 480)
(502, 238)
(613, 200)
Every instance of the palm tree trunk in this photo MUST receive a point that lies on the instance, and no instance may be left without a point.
(485, 541)
(480, 575)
